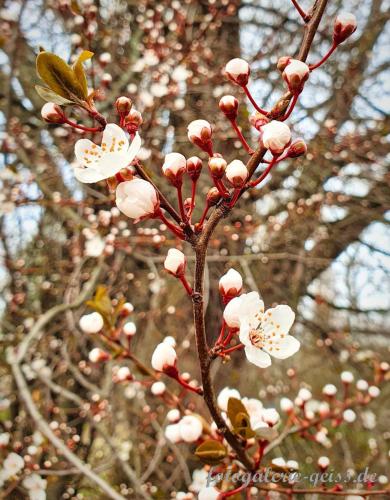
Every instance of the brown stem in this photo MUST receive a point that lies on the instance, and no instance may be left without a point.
(200, 245)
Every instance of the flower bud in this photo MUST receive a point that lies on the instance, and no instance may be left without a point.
(236, 173)
(199, 133)
(347, 377)
(190, 428)
(91, 323)
(123, 374)
(175, 262)
(297, 148)
(137, 199)
(194, 167)
(257, 120)
(133, 121)
(217, 166)
(213, 196)
(295, 75)
(172, 433)
(323, 409)
(238, 71)
(158, 388)
(228, 104)
(174, 167)
(123, 105)
(349, 416)
(286, 405)
(173, 415)
(230, 285)
(129, 329)
(105, 58)
(270, 416)
(344, 25)
(52, 113)
(384, 366)
(323, 463)
(362, 385)
(374, 391)
(329, 390)
(276, 136)
(164, 356)
(304, 394)
(282, 63)
(97, 355)
(225, 395)
(127, 307)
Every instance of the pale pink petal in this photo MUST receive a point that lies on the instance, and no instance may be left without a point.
(114, 139)
(285, 348)
(278, 320)
(87, 153)
(88, 175)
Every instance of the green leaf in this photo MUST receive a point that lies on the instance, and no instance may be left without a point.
(79, 70)
(211, 452)
(59, 76)
(239, 418)
(102, 304)
(50, 96)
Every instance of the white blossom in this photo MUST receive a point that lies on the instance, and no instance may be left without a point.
(158, 388)
(96, 163)
(230, 283)
(276, 136)
(238, 71)
(264, 334)
(191, 428)
(137, 198)
(163, 355)
(175, 262)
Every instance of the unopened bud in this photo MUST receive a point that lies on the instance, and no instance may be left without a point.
(105, 58)
(323, 463)
(174, 167)
(158, 388)
(133, 121)
(282, 63)
(229, 106)
(347, 377)
(344, 25)
(52, 113)
(164, 357)
(129, 329)
(230, 285)
(329, 390)
(106, 79)
(199, 133)
(175, 262)
(257, 120)
(123, 105)
(217, 166)
(297, 148)
(122, 374)
(97, 355)
(237, 173)
(238, 71)
(295, 75)
(194, 167)
(276, 136)
(213, 196)
(91, 323)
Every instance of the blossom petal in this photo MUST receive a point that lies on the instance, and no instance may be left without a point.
(231, 312)
(257, 356)
(244, 334)
(114, 139)
(251, 309)
(111, 163)
(284, 348)
(278, 319)
(88, 175)
(134, 148)
(87, 152)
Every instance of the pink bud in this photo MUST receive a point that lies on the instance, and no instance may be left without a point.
(276, 136)
(174, 167)
(123, 105)
(122, 374)
(97, 355)
(236, 173)
(194, 167)
(257, 120)
(213, 196)
(52, 113)
(217, 166)
(91, 323)
(229, 106)
(282, 63)
(199, 133)
(133, 121)
(297, 148)
(175, 262)
(238, 71)
(230, 285)
(344, 25)
(164, 356)
(295, 75)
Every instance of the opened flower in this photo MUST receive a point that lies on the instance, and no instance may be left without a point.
(264, 334)
(96, 163)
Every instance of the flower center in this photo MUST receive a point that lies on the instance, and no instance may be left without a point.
(257, 337)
